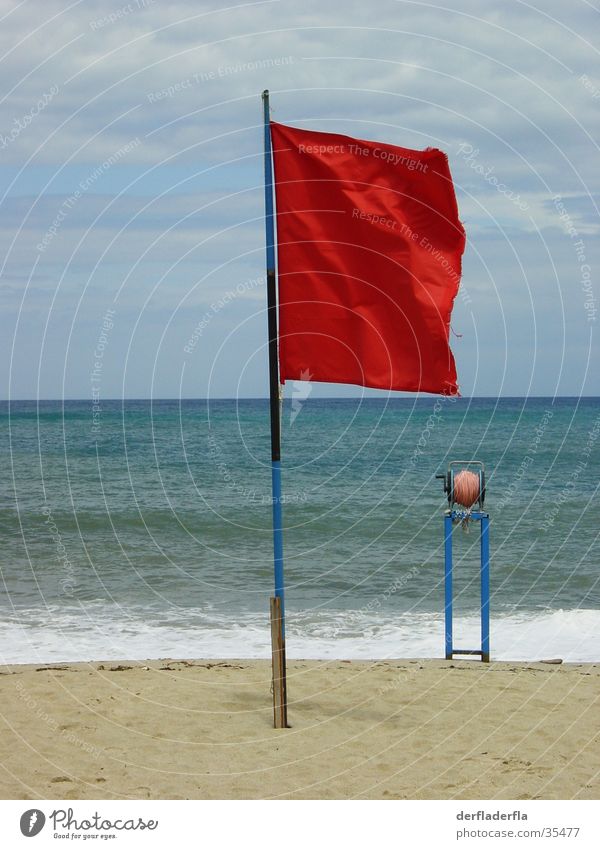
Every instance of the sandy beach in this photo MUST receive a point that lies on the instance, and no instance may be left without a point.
(391, 729)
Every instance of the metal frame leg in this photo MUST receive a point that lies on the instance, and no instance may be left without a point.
(485, 589)
(448, 584)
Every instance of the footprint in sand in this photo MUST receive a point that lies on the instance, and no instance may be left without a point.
(141, 792)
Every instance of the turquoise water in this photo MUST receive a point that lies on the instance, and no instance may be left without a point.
(145, 528)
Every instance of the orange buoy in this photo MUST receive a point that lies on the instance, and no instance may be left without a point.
(466, 488)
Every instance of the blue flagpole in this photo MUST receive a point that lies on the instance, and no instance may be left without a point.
(274, 409)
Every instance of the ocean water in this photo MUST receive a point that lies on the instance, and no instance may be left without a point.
(144, 529)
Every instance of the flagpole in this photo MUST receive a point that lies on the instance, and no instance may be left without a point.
(278, 602)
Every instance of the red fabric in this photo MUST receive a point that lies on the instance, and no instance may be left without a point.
(369, 260)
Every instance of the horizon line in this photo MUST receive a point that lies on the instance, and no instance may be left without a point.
(321, 398)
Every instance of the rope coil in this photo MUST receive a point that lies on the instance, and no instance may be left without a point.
(466, 494)
(466, 488)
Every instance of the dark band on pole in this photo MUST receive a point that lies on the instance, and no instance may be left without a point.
(271, 289)
(273, 367)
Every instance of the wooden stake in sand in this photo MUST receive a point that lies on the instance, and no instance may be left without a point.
(279, 671)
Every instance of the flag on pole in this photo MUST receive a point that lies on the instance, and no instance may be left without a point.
(369, 248)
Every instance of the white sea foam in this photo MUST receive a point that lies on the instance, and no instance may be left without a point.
(101, 632)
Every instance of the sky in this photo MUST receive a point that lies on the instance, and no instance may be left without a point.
(131, 177)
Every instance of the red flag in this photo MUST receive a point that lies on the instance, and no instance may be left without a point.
(369, 261)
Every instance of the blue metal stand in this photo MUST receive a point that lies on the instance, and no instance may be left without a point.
(484, 519)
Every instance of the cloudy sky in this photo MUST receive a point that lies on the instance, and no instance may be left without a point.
(131, 180)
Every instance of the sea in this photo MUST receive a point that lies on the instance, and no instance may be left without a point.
(142, 528)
